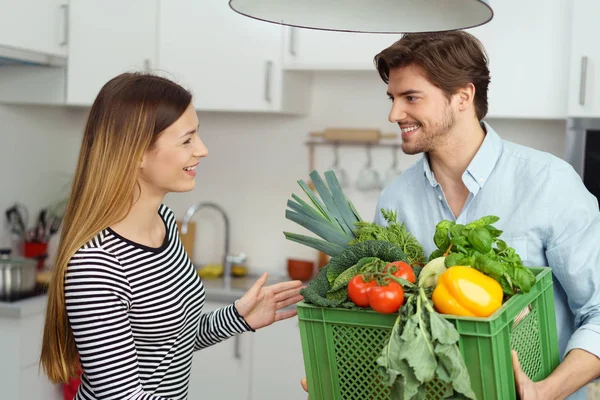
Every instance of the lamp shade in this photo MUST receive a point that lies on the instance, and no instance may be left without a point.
(369, 16)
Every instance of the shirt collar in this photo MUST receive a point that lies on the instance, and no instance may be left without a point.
(481, 165)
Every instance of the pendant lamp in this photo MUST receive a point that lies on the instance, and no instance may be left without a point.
(369, 16)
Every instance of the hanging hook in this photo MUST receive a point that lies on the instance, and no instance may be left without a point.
(369, 160)
(395, 157)
(336, 154)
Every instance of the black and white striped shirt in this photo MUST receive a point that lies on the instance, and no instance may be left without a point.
(136, 316)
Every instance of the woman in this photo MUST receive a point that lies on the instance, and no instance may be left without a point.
(125, 301)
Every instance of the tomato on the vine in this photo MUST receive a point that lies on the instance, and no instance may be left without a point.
(386, 299)
(402, 270)
(358, 289)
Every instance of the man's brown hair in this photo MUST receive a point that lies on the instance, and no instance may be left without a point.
(451, 60)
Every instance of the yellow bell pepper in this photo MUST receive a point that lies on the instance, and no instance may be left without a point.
(464, 291)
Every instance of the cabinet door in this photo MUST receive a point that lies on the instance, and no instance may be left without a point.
(308, 49)
(33, 384)
(229, 62)
(277, 362)
(528, 49)
(584, 86)
(34, 25)
(222, 371)
(107, 38)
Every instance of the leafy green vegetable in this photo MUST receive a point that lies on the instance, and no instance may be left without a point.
(395, 233)
(383, 250)
(478, 245)
(481, 239)
(327, 288)
(316, 291)
(423, 346)
(332, 217)
(344, 278)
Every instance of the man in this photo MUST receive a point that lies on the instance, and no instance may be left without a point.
(438, 83)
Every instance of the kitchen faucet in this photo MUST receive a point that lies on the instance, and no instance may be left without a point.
(228, 259)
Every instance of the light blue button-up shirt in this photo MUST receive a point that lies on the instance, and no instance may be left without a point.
(546, 214)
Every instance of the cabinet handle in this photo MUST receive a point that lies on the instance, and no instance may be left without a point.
(268, 73)
(237, 353)
(583, 80)
(65, 10)
(147, 67)
(293, 41)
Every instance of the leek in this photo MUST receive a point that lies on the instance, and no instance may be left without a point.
(332, 216)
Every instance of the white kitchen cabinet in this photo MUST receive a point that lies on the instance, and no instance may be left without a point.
(309, 49)
(229, 62)
(222, 371)
(277, 362)
(107, 38)
(584, 84)
(34, 26)
(527, 44)
(21, 332)
(528, 49)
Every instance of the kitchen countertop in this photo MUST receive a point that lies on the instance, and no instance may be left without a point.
(23, 308)
(213, 288)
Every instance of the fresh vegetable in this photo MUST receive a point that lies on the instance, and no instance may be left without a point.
(465, 291)
(368, 256)
(382, 250)
(477, 244)
(401, 269)
(423, 346)
(395, 233)
(358, 290)
(332, 217)
(431, 272)
(316, 291)
(386, 299)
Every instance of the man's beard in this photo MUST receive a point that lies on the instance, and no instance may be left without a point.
(430, 136)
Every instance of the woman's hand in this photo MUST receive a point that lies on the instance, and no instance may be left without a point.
(304, 386)
(260, 305)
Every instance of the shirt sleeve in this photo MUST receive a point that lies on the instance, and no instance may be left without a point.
(98, 297)
(219, 325)
(573, 254)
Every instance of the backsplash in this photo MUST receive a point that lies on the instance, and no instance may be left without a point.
(253, 164)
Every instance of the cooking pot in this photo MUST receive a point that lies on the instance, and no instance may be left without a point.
(17, 274)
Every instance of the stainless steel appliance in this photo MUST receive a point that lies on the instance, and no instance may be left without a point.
(583, 151)
(17, 276)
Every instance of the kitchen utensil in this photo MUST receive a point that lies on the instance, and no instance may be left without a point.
(368, 178)
(40, 228)
(53, 225)
(393, 172)
(17, 275)
(18, 218)
(37, 251)
(340, 173)
(353, 135)
(300, 269)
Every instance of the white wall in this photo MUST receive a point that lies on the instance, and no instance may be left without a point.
(38, 152)
(253, 164)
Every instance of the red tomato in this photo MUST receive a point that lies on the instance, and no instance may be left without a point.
(358, 289)
(403, 270)
(386, 299)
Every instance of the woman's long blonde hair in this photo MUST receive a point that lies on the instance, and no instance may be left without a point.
(125, 120)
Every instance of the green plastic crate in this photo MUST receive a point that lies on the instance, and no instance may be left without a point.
(340, 347)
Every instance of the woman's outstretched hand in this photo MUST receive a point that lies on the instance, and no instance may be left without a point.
(304, 386)
(260, 305)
